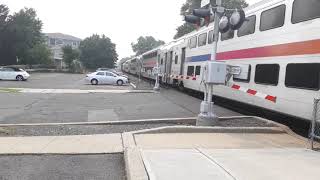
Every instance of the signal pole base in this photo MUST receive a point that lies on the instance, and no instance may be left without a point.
(205, 120)
(207, 116)
(156, 88)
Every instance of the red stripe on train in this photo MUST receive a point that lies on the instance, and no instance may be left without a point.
(271, 98)
(289, 49)
(251, 91)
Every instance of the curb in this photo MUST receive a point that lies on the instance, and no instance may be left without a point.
(203, 129)
(190, 120)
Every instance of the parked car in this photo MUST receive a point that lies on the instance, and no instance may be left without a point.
(119, 73)
(12, 73)
(106, 77)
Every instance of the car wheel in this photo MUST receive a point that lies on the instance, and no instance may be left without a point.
(119, 82)
(94, 82)
(19, 78)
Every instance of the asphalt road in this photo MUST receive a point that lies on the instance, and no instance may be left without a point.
(57, 81)
(62, 167)
(58, 108)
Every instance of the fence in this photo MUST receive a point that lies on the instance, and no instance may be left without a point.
(315, 124)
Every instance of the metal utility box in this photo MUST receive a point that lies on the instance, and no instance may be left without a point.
(216, 73)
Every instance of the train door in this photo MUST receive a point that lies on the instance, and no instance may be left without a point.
(183, 58)
(169, 66)
(165, 73)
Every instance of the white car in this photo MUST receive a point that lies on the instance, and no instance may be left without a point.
(106, 77)
(12, 73)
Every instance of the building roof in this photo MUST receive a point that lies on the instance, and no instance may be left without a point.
(62, 36)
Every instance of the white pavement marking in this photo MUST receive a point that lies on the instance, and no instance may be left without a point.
(78, 91)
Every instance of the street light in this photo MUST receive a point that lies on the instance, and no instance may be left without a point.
(222, 23)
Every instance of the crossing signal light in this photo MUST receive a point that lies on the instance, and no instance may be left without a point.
(224, 24)
(236, 19)
(192, 19)
(203, 13)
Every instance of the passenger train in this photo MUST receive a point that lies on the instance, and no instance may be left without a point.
(277, 49)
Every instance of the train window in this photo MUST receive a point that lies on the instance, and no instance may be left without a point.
(190, 71)
(272, 18)
(193, 42)
(305, 10)
(176, 59)
(202, 39)
(248, 27)
(161, 62)
(198, 70)
(304, 76)
(267, 74)
(227, 35)
(211, 37)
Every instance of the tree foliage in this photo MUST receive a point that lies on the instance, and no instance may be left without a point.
(20, 35)
(69, 55)
(189, 5)
(145, 44)
(38, 54)
(98, 51)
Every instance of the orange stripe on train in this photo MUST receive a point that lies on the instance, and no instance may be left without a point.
(289, 49)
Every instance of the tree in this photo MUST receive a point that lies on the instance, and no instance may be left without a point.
(38, 54)
(25, 31)
(98, 51)
(19, 34)
(7, 57)
(187, 8)
(69, 55)
(145, 44)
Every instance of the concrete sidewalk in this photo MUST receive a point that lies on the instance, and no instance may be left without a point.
(230, 164)
(219, 153)
(82, 144)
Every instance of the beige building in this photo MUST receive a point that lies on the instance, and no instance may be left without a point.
(56, 41)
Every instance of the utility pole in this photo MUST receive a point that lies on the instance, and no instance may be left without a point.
(207, 115)
(215, 72)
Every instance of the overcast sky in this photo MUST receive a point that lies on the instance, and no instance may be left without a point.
(121, 20)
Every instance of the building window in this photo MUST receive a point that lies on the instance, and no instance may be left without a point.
(190, 71)
(59, 42)
(227, 35)
(267, 74)
(198, 70)
(272, 18)
(211, 37)
(304, 76)
(176, 59)
(304, 10)
(248, 27)
(202, 39)
(193, 42)
(52, 42)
